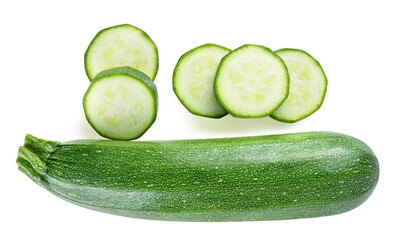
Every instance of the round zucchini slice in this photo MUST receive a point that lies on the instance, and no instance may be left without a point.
(121, 103)
(251, 82)
(119, 46)
(193, 80)
(308, 84)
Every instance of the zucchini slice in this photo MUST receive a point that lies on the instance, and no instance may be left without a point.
(121, 103)
(193, 80)
(119, 46)
(308, 84)
(251, 81)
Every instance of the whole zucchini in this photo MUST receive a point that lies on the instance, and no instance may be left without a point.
(232, 179)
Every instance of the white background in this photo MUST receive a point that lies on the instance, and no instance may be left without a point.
(42, 44)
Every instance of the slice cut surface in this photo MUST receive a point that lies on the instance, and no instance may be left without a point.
(121, 103)
(118, 46)
(308, 84)
(251, 81)
(193, 80)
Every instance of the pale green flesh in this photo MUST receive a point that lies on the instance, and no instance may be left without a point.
(307, 86)
(120, 46)
(251, 82)
(193, 80)
(119, 107)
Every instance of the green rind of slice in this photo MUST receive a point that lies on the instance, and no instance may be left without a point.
(193, 80)
(308, 86)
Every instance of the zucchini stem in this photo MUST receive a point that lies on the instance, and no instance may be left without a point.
(25, 167)
(34, 153)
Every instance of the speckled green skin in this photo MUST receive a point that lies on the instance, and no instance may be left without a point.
(234, 179)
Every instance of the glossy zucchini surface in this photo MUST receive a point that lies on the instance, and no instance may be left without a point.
(272, 177)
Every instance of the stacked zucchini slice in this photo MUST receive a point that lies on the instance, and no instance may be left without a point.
(121, 102)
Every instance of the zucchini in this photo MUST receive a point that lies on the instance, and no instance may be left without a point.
(121, 103)
(308, 84)
(193, 80)
(231, 179)
(120, 46)
(251, 81)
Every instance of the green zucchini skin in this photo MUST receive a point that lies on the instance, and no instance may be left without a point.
(272, 177)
